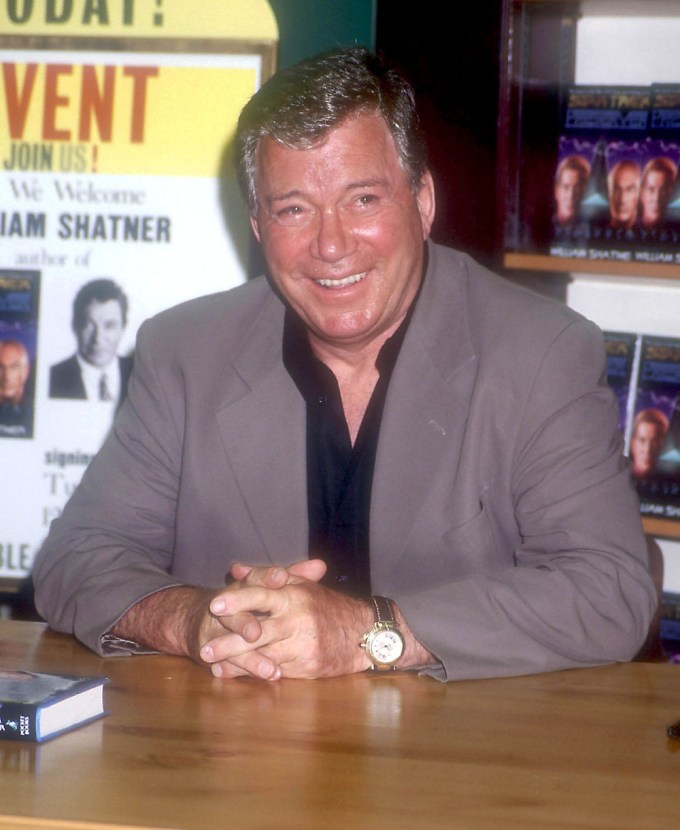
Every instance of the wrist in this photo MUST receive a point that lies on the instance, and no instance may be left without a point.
(171, 620)
(415, 653)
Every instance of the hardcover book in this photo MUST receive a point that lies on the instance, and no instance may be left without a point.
(597, 179)
(19, 300)
(36, 706)
(655, 430)
(659, 220)
(644, 373)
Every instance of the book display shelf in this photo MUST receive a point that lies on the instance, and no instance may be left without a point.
(623, 53)
(544, 42)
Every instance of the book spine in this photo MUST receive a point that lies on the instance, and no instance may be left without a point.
(18, 722)
(630, 403)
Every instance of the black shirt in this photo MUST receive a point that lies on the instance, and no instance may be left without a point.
(339, 475)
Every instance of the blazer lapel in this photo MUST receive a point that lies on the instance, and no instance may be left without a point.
(262, 426)
(425, 414)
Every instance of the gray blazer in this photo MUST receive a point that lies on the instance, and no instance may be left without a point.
(503, 521)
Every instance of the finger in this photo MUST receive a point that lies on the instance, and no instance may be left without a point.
(277, 576)
(273, 644)
(249, 599)
(226, 647)
(245, 624)
(269, 577)
(231, 656)
(252, 665)
(312, 569)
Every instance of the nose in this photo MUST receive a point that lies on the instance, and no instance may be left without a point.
(332, 240)
(96, 334)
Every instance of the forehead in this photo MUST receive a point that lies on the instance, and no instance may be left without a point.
(358, 146)
(655, 177)
(11, 353)
(569, 174)
(105, 308)
(626, 174)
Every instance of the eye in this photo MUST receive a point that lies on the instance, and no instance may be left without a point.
(290, 214)
(366, 200)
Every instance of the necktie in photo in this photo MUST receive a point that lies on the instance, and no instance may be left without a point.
(104, 391)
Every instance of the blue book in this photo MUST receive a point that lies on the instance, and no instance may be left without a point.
(36, 706)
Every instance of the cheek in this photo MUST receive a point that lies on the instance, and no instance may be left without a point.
(390, 234)
(283, 249)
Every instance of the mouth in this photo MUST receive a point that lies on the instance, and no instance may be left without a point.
(344, 282)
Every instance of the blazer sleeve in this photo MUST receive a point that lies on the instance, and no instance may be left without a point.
(113, 543)
(575, 590)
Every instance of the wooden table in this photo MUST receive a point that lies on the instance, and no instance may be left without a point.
(181, 749)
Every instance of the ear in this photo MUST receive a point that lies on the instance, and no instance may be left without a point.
(426, 203)
(256, 228)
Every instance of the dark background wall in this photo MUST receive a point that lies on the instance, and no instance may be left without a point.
(310, 26)
(453, 61)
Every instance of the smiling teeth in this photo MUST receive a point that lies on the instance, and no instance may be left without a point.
(342, 283)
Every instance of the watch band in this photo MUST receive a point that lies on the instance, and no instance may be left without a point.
(383, 610)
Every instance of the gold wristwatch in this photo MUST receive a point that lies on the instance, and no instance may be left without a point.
(384, 643)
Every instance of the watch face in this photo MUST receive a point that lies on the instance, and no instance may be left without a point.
(386, 646)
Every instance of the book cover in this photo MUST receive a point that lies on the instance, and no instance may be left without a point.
(36, 706)
(659, 209)
(597, 179)
(654, 445)
(19, 302)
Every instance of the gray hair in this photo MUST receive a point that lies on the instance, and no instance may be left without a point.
(300, 104)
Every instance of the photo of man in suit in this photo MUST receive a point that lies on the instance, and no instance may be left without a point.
(95, 372)
(395, 458)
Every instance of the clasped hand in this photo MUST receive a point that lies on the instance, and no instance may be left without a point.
(280, 622)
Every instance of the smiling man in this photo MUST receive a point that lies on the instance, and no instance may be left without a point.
(392, 457)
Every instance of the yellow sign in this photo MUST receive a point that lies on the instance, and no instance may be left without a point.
(121, 112)
(237, 19)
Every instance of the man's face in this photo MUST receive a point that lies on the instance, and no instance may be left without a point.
(623, 198)
(342, 232)
(101, 332)
(645, 446)
(14, 369)
(654, 195)
(568, 195)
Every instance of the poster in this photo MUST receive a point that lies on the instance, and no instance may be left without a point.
(117, 200)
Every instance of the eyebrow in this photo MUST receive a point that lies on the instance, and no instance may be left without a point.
(297, 193)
